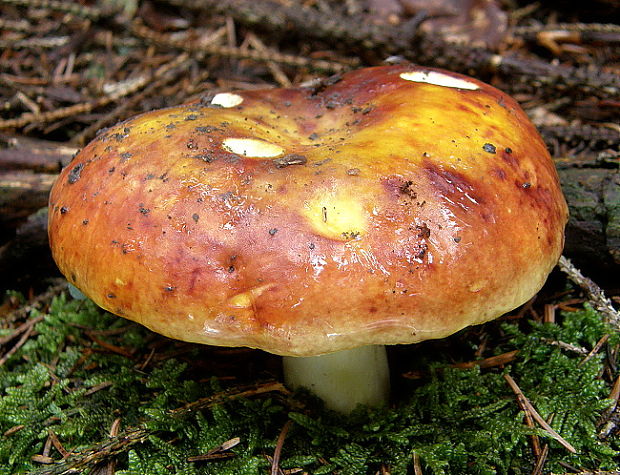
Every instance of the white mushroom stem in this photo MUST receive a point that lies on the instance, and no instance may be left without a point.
(343, 379)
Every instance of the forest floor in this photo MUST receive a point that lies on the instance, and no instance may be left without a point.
(81, 390)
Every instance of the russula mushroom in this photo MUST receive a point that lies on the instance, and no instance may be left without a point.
(392, 205)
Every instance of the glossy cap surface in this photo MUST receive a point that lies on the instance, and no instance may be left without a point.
(392, 205)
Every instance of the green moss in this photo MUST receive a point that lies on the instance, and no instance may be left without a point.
(453, 420)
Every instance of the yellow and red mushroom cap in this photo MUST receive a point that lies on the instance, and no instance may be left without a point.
(392, 205)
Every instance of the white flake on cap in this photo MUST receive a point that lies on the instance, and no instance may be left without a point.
(254, 148)
(226, 99)
(438, 79)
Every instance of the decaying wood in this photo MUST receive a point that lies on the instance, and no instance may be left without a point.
(19, 152)
(593, 230)
(28, 168)
(21, 194)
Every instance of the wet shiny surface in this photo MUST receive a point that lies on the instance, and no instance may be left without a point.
(374, 210)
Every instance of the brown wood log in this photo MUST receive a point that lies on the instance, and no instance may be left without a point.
(25, 260)
(25, 153)
(22, 192)
(28, 168)
(593, 231)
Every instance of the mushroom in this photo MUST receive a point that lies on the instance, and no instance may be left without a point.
(388, 206)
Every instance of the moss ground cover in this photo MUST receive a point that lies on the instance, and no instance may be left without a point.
(91, 391)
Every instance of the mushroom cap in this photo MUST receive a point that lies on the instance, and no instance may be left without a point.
(390, 205)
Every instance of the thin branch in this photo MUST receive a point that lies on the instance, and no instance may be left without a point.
(224, 396)
(567, 346)
(595, 350)
(540, 461)
(490, 362)
(595, 294)
(97, 453)
(26, 326)
(277, 73)
(581, 27)
(275, 464)
(216, 453)
(17, 346)
(586, 472)
(36, 302)
(527, 407)
(48, 42)
(610, 420)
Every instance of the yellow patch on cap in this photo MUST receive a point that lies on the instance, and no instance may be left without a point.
(336, 215)
(245, 299)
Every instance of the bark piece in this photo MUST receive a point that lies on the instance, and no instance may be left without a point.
(593, 232)
(22, 192)
(19, 153)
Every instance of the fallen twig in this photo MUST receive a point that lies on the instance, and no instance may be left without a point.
(490, 362)
(26, 326)
(526, 405)
(125, 89)
(595, 350)
(73, 8)
(17, 345)
(610, 421)
(595, 294)
(216, 453)
(36, 302)
(567, 346)
(275, 463)
(541, 458)
(224, 396)
(581, 27)
(97, 453)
